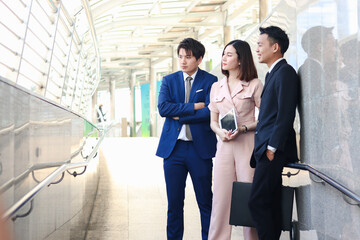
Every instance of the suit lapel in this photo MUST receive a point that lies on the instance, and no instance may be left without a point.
(271, 74)
(196, 83)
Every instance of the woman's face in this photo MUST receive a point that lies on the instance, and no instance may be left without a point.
(230, 59)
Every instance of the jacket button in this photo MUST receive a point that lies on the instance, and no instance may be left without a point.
(178, 129)
(256, 132)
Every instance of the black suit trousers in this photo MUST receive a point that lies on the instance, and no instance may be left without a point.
(265, 198)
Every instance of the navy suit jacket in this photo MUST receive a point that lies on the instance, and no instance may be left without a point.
(171, 103)
(279, 100)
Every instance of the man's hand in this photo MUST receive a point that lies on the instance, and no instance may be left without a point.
(199, 105)
(270, 154)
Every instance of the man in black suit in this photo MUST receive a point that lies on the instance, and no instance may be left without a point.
(275, 143)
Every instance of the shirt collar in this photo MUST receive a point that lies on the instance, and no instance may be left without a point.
(193, 76)
(273, 65)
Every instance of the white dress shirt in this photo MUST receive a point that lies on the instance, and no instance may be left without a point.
(182, 134)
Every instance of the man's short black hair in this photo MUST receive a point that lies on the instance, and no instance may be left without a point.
(276, 35)
(191, 45)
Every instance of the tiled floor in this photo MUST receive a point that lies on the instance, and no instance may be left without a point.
(131, 202)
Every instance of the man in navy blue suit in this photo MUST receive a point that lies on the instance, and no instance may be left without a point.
(275, 143)
(187, 142)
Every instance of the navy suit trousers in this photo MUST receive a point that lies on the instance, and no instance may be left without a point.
(265, 198)
(184, 160)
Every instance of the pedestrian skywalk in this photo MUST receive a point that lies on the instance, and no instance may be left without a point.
(131, 201)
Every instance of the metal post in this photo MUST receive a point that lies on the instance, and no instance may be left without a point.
(52, 50)
(67, 66)
(77, 75)
(23, 47)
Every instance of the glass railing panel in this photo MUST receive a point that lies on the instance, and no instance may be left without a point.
(42, 48)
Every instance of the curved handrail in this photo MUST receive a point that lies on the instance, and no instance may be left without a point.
(48, 180)
(327, 179)
(40, 166)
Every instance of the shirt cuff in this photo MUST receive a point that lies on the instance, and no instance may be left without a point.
(271, 148)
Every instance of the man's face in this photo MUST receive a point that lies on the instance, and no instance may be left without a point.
(264, 49)
(188, 62)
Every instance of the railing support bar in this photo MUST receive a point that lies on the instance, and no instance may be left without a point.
(327, 179)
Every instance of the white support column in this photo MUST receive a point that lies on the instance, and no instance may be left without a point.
(263, 9)
(93, 108)
(227, 35)
(152, 80)
(175, 60)
(132, 119)
(112, 99)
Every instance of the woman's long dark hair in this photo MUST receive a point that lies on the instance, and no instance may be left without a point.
(247, 66)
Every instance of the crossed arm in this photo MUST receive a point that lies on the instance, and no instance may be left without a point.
(185, 113)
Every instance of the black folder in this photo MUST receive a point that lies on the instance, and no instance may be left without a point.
(228, 121)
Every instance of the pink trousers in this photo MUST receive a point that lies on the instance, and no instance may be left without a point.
(232, 163)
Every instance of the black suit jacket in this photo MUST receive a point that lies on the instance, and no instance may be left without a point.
(279, 100)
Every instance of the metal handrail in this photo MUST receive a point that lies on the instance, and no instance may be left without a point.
(40, 166)
(48, 180)
(327, 179)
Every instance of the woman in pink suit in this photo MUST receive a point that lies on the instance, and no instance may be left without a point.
(240, 90)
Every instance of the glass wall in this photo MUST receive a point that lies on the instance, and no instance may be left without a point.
(325, 51)
(35, 135)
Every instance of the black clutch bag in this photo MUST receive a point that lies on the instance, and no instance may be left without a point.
(239, 210)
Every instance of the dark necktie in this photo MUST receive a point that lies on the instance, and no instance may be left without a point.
(187, 95)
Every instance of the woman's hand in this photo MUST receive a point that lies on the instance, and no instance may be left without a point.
(226, 135)
(233, 134)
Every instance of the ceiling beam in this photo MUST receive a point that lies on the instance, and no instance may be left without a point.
(130, 55)
(115, 65)
(107, 5)
(242, 9)
(166, 21)
(144, 39)
(192, 5)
